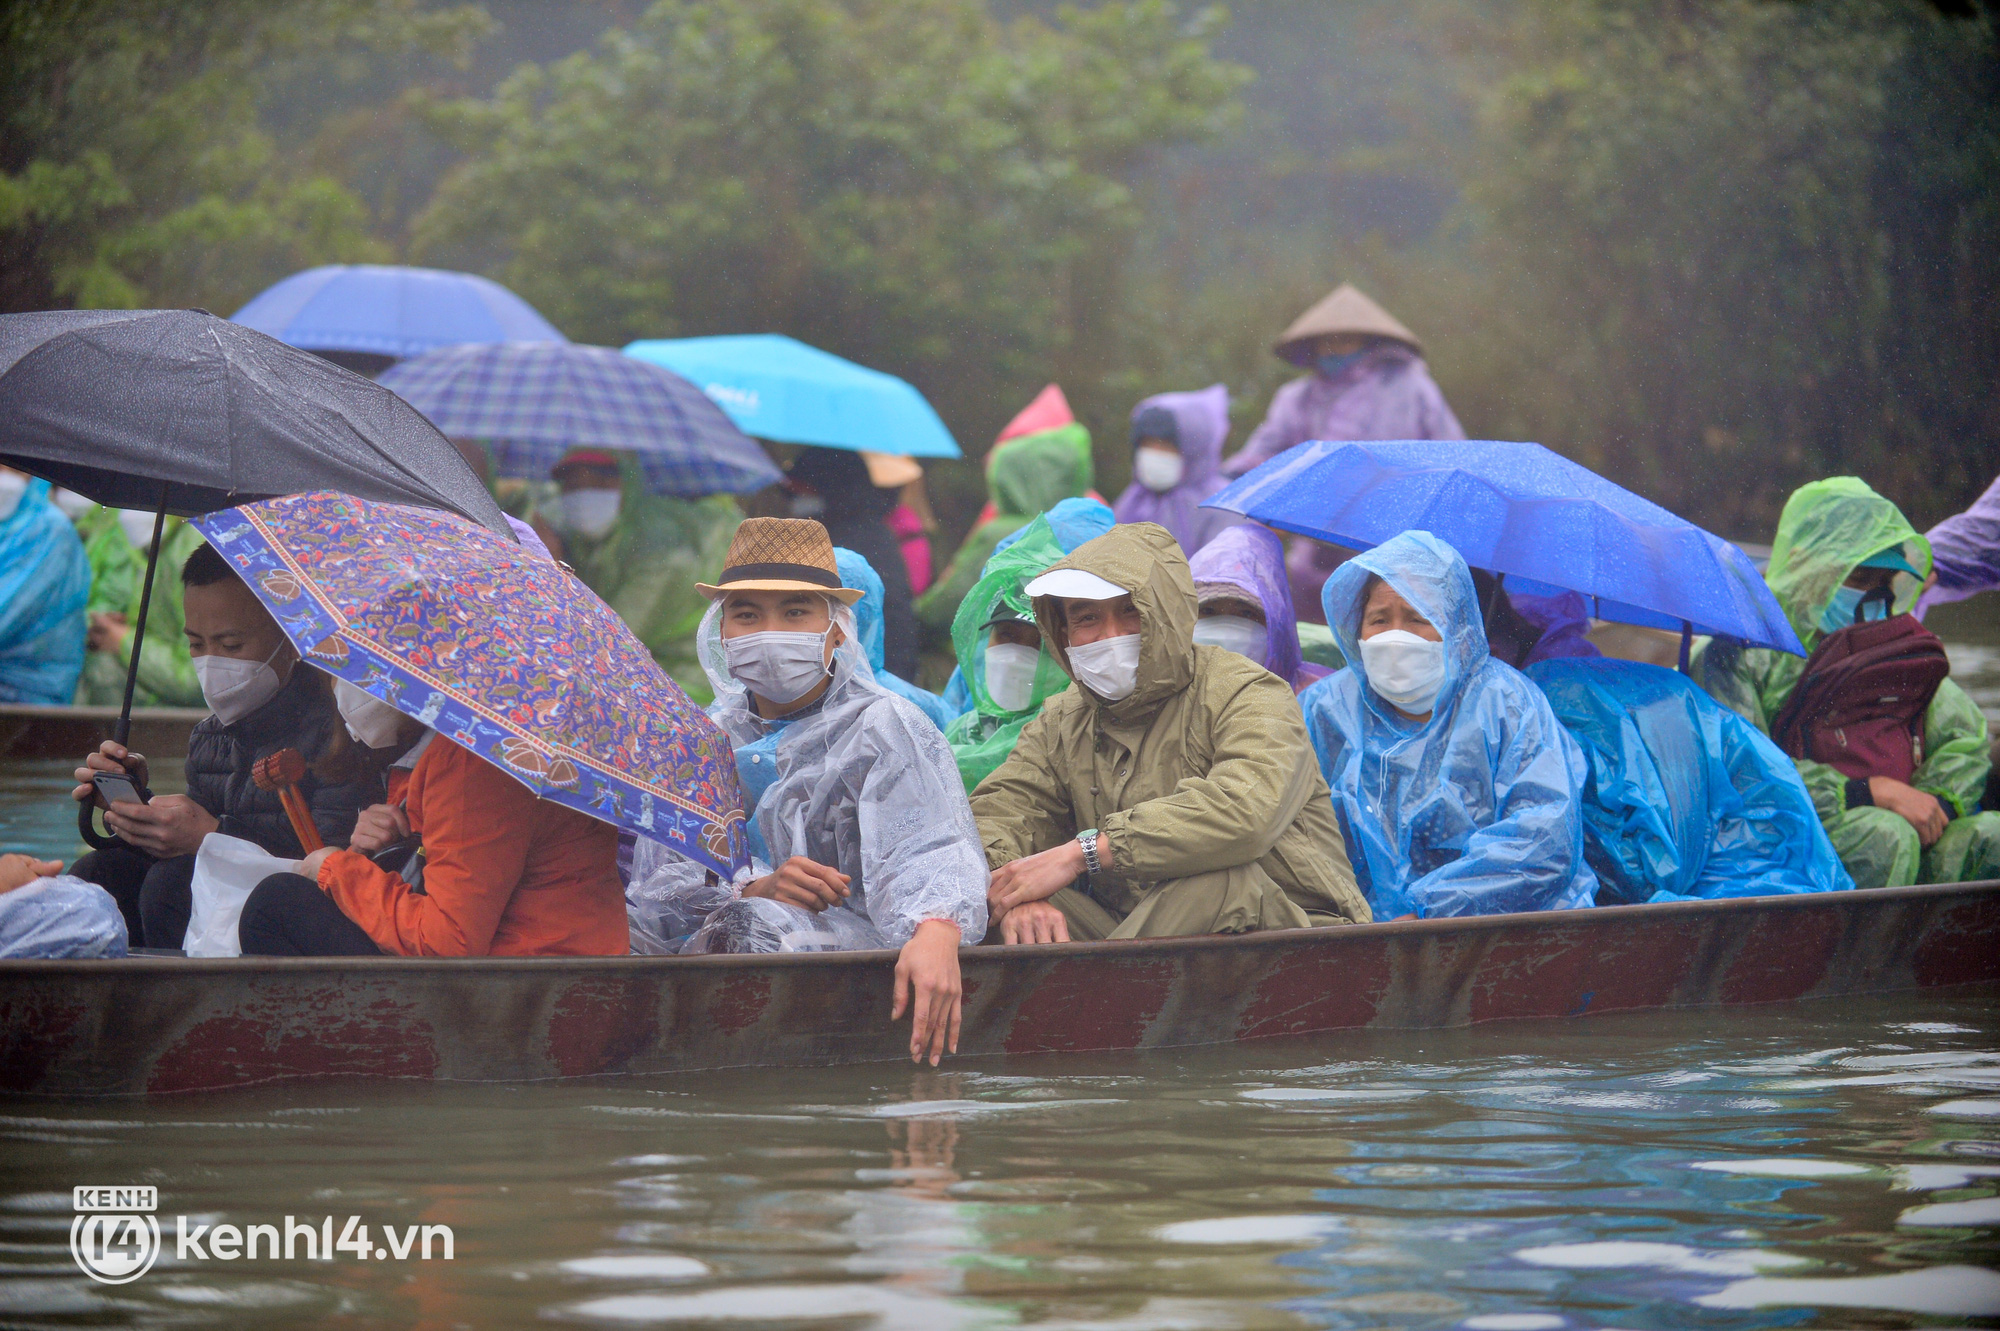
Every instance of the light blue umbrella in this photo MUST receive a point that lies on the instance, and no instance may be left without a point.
(1524, 511)
(777, 387)
(391, 311)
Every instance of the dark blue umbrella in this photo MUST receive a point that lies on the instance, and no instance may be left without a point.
(391, 311)
(535, 401)
(1520, 510)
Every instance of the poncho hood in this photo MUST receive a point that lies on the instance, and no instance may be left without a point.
(1034, 473)
(1829, 528)
(1201, 420)
(1251, 559)
(1146, 560)
(1433, 577)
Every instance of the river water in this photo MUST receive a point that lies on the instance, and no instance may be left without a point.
(1828, 1164)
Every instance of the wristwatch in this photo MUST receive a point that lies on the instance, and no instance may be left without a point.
(1088, 840)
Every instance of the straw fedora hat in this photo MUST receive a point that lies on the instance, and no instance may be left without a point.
(1343, 310)
(780, 555)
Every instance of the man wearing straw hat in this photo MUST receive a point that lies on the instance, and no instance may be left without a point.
(859, 829)
(1368, 381)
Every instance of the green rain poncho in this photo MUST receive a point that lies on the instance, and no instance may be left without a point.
(646, 567)
(983, 737)
(1828, 528)
(1026, 476)
(117, 578)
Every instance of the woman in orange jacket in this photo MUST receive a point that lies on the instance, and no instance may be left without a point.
(503, 874)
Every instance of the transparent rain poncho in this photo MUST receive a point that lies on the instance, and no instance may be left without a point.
(1473, 812)
(861, 781)
(983, 737)
(1686, 798)
(60, 918)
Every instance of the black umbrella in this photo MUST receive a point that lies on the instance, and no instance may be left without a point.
(181, 412)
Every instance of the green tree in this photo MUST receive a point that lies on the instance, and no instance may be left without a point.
(135, 166)
(907, 182)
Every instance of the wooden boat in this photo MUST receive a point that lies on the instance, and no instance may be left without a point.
(71, 732)
(164, 1025)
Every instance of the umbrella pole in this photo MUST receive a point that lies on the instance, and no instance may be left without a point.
(1687, 646)
(122, 729)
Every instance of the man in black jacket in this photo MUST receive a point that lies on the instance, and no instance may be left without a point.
(262, 702)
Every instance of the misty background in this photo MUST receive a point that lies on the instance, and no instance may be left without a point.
(1711, 248)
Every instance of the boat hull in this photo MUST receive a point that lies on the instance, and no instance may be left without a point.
(71, 732)
(164, 1025)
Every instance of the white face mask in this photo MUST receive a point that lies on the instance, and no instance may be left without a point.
(72, 504)
(12, 487)
(1406, 670)
(233, 688)
(370, 720)
(138, 525)
(1108, 667)
(778, 667)
(1157, 469)
(1010, 675)
(590, 512)
(1234, 633)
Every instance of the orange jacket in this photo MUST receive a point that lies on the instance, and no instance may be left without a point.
(505, 874)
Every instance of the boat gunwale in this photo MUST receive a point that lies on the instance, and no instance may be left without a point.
(1123, 949)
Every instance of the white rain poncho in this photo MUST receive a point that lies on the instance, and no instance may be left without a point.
(861, 781)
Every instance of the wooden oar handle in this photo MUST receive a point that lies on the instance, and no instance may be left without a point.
(282, 771)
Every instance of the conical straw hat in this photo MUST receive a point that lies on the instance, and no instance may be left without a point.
(1345, 310)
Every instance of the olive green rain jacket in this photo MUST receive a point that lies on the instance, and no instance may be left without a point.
(1826, 530)
(1025, 476)
(117, 578)
(646, 567)
(1202, 779)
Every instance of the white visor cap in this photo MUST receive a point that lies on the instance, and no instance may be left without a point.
(1076, 585)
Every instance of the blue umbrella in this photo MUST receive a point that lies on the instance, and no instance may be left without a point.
(1524, 511)
(389, 311)
(778, 388)
(535, 401)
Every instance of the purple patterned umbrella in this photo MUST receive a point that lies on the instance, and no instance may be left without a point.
(498, 648)
(535, 401)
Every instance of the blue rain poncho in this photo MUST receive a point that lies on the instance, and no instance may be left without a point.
(861, 781)
(1473, 812)
(856, 572)
(1074, 521)
(44, 584)
(1685, 799)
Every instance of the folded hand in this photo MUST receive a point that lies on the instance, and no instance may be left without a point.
(801, 882)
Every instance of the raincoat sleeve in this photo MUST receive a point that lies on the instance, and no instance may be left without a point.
(1258, 779)
(1530, 857)
(1957, 758)
(919, 845)
(1283, 427)
(1024, 806)
(1965, 549)
(476, 834)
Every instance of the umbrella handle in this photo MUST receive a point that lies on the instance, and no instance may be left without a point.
(86, 826)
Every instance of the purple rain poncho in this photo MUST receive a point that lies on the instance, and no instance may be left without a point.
(1965, 552)
(1251, 560)
(1386, 394)
(1203, 422)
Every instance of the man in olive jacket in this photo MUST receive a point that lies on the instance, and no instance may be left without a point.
(1174, 790)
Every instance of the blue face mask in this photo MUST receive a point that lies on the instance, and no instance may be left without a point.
(1331, 366)
(1846, 600)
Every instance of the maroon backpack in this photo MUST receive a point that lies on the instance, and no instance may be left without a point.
(1859, 707)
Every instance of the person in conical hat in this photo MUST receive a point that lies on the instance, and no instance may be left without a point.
(1368, 381)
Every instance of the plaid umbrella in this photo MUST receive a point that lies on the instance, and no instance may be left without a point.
(535, 401)
(498, 648)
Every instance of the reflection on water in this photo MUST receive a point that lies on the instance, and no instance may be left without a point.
(37, 814)
(1810, 1165)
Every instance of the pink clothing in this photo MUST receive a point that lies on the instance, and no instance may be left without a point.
(915, 545)
(1387, 394)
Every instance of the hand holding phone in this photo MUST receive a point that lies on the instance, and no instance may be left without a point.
(116, 788)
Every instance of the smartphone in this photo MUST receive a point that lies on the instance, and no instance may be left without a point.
(116, 786)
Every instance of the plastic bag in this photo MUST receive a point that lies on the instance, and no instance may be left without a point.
(226, 870)
(669, 897)
(759, 924)
(60, 918)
